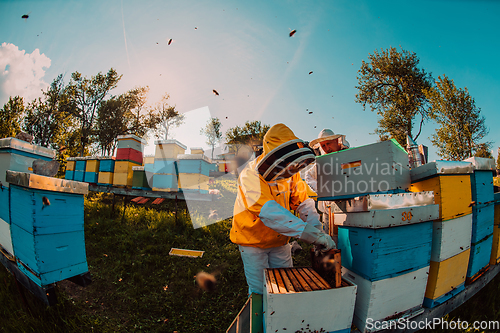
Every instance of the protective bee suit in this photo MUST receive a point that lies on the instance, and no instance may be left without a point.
(268, 188)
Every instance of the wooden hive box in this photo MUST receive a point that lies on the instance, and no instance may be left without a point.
(80, 163)
(70, 164)
(482, 180)
(140, 180)
(495, 249)
(165, 182)
(299, 299)
(479, 257)
(193, 182)
(123, 174)
(482, 222)
(168, 149)
(107, 164)
(446, 279)
(92, 169)
(165, 166)
(130, 141)
(105, 178)
(48, 240)
(377, 254)
(18, 155)
(129, 154)
(451, 237)
(386, 299)
(378, 167)
(193, 163)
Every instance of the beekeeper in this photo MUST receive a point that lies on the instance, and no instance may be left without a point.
(327, 142)
(268, 188)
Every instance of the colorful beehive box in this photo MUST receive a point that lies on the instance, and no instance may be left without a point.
(446, 278)
(451, 237)
(165, 175)
(197, 150)
(495, 250)
(47, 226)
(149, 168)
(123, 174)
(107, 164)
(140, 180)
(105, 178)
(387, 299)
(80, 163)
(289, 299)
(194, 172)
(378, 167)
(168, 149)
(483, 218)
(70, 168)
(18, 155)
(130, 148)
(377, 254)
(479, 256)
(450, 182)
(91, 169)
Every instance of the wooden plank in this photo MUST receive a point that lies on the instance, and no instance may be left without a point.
(317, 279)
(286, 280)
(300, 279)
(272, 282)
(279, 281)
(293, 279)
(137, 199)
(143, 201)
(158, 201)
(185, 253)
(308, 280)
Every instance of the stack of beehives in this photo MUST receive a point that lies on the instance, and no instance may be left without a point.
(128, 154)
(194, 171)
(450, 182)
(165, 165)
(106, 170)
(384, 234)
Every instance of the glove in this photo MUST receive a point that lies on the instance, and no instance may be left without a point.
(317, 237)
(307, 212)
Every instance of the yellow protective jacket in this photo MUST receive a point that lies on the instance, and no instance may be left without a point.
(254, 192)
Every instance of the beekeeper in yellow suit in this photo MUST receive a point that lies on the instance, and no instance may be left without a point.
(268, 188)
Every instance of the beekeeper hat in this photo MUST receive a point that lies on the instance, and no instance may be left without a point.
(325, 135)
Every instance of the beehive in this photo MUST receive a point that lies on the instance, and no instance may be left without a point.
(130, 148)
(105, 178)
(387, 298)
(123, 174)
(140, 181)
(378, 167)
(194, 172)
(92, 169)
(291, 296)
(446, 278)
(18, 155)
(47, 226)
(482, 222)
(451, 237)
(168, 149)
(80, 163)
(479, 256)
(107, 164)
(70, 169)
(377, 254)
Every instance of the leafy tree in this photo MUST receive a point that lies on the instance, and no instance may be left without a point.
(461, 124)
(87, 95)
(124, 114)
(48, 118)
(212, 131)
(251, 134)
(392, 85)
(483, 150)
(10, 117)
(167, 116)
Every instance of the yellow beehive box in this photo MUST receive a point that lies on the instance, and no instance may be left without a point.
(497, 215)
(123, 179)
(70, 164)
(148, 160)
(447, 275)
(124, 166)
(105, 178)
(168, 149)
(495, 250)
(92, 165)
(451, 192)
(193, 181)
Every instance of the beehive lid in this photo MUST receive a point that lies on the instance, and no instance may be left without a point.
(481, 163)
(31, 180)
(441, 167)
(24, 146)
(193, 157)
(389, 201)
(138, 168)
(170, 141)
(131, 136)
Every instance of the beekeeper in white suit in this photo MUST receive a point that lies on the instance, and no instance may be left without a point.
(269, 187)
(327, 142)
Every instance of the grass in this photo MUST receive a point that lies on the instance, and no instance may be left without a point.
(138, 287)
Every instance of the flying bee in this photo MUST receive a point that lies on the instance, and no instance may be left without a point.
(45, 202)
(170, 41)
(292, 32)
(215, 92)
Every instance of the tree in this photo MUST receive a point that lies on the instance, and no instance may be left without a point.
(10, 117)
(213, 132)
(87, 95)
(48, 118)
(121, 115)
(483, 150)
(393, 85)
(167, 116)
(251, 134)
(461, 124)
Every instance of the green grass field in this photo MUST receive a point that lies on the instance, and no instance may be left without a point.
(138, 287)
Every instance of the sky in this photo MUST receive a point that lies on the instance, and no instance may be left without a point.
(243, 50)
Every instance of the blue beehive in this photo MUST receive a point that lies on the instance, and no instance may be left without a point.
(47, 226)
(107, 165)
(479, 255)
(377, 254)
(482, 222)
(80, 164)
(4, 203)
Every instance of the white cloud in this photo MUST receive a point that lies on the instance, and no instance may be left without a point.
(21, 73)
